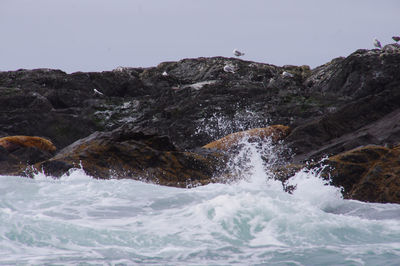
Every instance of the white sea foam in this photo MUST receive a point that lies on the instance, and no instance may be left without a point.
(78, 219)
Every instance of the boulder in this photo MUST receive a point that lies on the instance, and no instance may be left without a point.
(12, 143)
(275, 132)
(123, 153)
(370, 173)
(17, 153)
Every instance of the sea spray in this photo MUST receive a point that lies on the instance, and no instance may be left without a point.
(80, 220)
(77, 219)
(217, 126)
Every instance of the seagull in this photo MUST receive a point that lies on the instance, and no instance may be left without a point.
(377, 43)
(287, 74)
(165, 73)
(396, 38)
(228, 68)
(98, 92)
(237, 53)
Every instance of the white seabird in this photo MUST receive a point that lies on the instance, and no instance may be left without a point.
(237, 53)
(396, 38)
(377, 43)
(287, 74)
(98, 92)
(229, 69)
(165, 73)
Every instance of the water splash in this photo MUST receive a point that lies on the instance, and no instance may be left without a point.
(218, 126)
(252, 161)
(80, 220)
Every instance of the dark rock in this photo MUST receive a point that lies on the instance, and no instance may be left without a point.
(366, 86)
(31, 155)
(17, 161)
(344, 104)
(123, 153)
(186, 105)
(369, 173)
(54, 168)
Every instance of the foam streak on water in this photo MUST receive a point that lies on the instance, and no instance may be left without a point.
(80, 220)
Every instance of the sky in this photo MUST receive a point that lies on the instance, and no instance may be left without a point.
(100, 35)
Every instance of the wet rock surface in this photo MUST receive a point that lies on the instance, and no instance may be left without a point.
(229, 142)
(347, 103)
(123, 153)
(368, 173)
(366, 88)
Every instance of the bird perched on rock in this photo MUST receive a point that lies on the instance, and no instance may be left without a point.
(377, 43)
(165, 73)
(229, 69)
(237, 53)
(396, 38)
(287, 74)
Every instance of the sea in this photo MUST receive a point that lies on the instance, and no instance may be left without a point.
(80, 220)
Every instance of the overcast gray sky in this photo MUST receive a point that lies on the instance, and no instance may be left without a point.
(97, 35)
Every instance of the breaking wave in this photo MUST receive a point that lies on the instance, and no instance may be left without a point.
(80, 220)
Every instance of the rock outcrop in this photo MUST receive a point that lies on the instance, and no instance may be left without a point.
(365, 86)
(123, 153)
(365, 173)
(345, 104)
(195, 104)
(275, 132)
(12, 143)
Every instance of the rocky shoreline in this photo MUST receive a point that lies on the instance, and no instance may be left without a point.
(153, 122)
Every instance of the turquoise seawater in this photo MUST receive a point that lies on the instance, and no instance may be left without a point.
(77, 220)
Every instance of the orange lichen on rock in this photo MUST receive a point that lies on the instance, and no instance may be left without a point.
(275, 132)
(13, 142)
